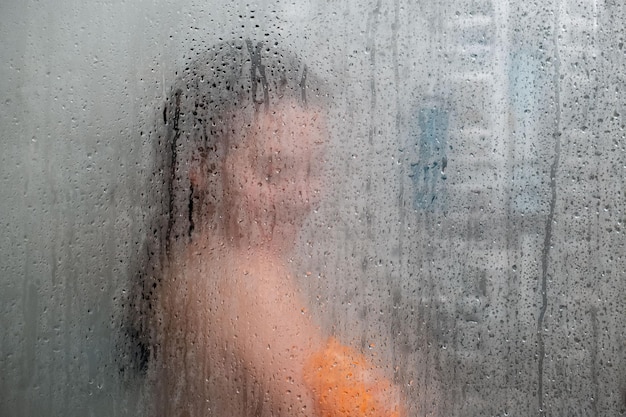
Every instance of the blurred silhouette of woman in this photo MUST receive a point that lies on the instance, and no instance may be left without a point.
(225, 325)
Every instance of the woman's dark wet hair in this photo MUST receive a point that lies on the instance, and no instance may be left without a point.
(219, 93)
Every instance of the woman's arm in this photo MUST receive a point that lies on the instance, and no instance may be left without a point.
(306, 373)
(275, 334)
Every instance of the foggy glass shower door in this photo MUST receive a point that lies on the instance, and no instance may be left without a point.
(468, 241)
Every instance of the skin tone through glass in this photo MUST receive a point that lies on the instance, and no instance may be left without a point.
(274, 178)
(235, 334)
(271, 181)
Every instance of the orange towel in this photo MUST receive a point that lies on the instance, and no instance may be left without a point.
(344, 384)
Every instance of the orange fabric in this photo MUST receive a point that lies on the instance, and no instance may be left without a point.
(344, 384)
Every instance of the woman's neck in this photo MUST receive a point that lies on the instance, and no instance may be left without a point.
(276, 242)
(266, 236)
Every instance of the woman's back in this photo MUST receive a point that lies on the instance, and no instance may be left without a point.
(237, 328)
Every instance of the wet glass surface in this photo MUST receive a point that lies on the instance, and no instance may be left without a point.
(215, 210)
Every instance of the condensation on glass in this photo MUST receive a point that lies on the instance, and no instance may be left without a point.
(216, 210)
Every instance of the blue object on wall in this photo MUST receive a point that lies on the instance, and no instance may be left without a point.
(428, 173)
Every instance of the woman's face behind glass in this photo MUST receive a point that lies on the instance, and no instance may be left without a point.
(275, 175)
